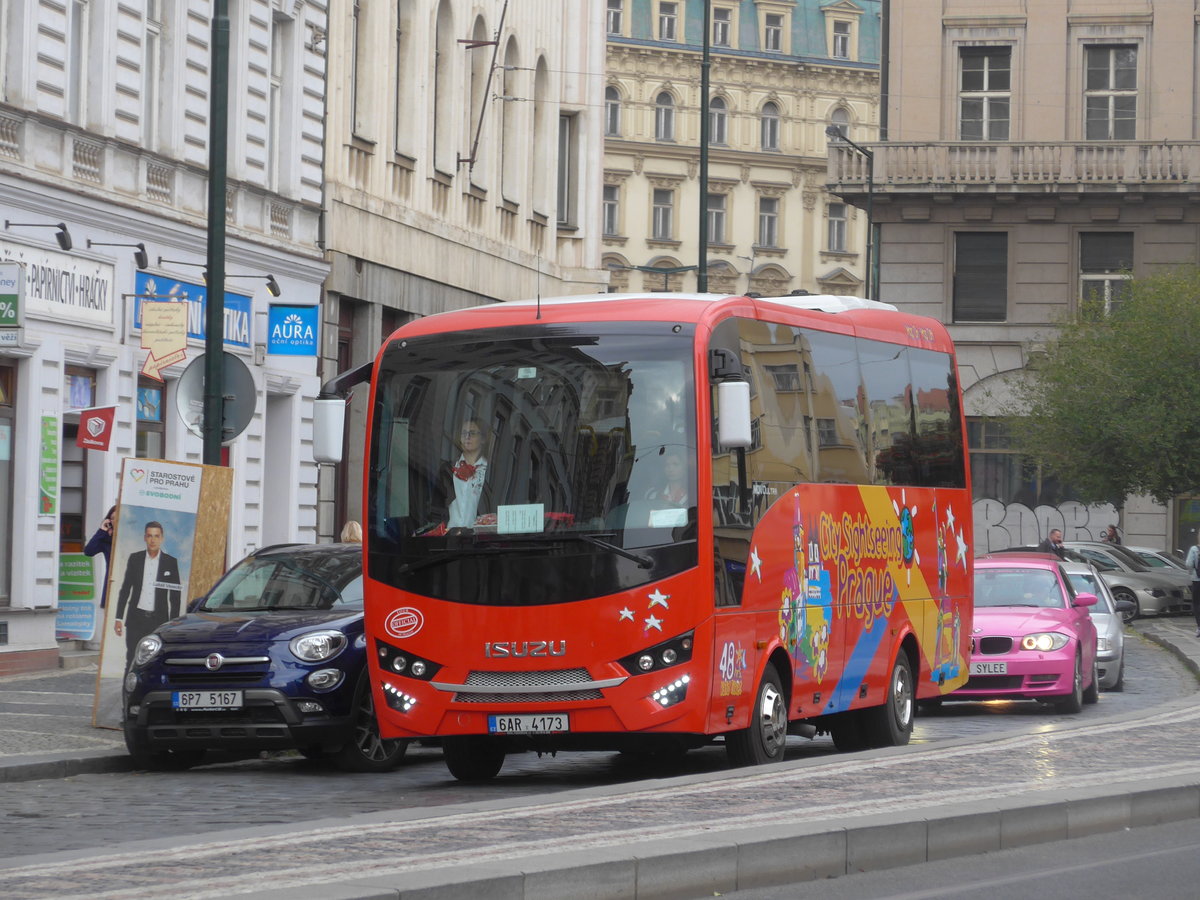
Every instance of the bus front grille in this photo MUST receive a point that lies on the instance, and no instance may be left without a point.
(553, 685)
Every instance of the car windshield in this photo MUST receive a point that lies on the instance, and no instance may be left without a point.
(1009, 586)
(278, 582)
(1087, 583)
(1155, 561)
(523, 466)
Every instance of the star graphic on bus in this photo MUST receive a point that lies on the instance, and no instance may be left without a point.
(755, 563)
(950, 517)
(961, 555)
(652, 622)
(626, 613)
(658, 598)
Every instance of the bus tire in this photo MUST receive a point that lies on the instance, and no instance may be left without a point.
(891, 725)
(848, 731)
(473, 758)
(764, 740)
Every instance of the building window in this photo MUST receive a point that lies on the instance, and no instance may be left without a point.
(840, 119)
(768, 221)
(841, 40)
(827, 434)
(568, 166)
(722, 19)
(1105, 268)
(1000, 472)
(668, 21)
(786, 377)
(664, 117)
(985, 93)
(612, 112)
(612, 209)
(837, 227)
(664, 215)
(718, 121)
(980, 276)
(152, 74)
(281, 33)
(716, 218)
(773, 32)
(77, 74)
(616, 12)
(151, 427)
(1111, 94)
(770, 126)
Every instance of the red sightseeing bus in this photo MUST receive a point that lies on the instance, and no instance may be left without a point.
(648, 522)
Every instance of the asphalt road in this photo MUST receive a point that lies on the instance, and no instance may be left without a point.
(87, 811)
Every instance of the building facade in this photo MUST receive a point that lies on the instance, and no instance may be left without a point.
(104, 118)
(780, 74)
(1035, 154)
(463, 167)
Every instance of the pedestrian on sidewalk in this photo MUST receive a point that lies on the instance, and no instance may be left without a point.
(1053, 544)
(101, 544)
(1193, 563)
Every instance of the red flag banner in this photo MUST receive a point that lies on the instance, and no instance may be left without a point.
(95, 428)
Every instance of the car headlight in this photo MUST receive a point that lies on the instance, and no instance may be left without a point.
(317, 646)
(1044, 641)
(1104, 644)
(147, 648)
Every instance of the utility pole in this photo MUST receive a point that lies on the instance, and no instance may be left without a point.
(702, 262)
(214, 327)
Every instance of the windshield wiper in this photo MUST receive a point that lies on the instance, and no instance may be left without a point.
(641, 559)
(449, 556)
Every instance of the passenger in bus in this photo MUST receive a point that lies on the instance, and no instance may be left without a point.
(673, 491)
(462, 482)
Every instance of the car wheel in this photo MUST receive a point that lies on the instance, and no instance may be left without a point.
(1073, 702)
(1092, 692)
(160, 760)
(764, 740)
(1119, 684)
(891, 725)
(1126, 594)
(473, 758)
(366, 751)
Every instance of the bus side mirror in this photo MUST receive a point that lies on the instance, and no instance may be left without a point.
(329, 421)
(733, 414)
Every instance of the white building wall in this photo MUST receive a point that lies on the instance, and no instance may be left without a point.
(100, 132)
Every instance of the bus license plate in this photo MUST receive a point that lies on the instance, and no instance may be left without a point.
(206, 699)
(535, 723)
(989, 668)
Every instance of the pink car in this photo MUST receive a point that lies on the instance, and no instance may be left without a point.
(1033, 638)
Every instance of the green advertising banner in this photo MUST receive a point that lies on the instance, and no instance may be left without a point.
(48, 467)
(76, 598)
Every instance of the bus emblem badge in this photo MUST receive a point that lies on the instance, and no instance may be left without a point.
(404, 622)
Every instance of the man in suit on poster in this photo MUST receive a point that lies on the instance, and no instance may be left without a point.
(150, 593)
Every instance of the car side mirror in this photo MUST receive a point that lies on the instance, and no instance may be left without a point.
(1086, 599)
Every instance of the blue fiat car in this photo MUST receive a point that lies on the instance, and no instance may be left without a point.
(272, 659)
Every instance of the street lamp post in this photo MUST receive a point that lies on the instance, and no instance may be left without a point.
(836, 134)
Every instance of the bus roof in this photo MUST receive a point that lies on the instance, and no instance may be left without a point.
(881, 321)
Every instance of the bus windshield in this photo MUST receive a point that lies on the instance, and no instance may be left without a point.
(522, 467)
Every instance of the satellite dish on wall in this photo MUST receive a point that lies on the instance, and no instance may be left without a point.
(238, 389)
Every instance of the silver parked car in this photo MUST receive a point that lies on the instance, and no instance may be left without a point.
(1151, 591)
(1110, 628)
(1160, 559)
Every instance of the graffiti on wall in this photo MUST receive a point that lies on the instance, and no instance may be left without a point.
(1002, 525)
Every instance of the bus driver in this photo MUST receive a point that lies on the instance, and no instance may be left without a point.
(462, 482)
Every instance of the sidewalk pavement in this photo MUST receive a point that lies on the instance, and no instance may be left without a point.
(678, 837)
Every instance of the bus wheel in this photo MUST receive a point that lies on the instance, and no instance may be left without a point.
(891, 725)
(765, 738)
(848, 732)
(473, 758)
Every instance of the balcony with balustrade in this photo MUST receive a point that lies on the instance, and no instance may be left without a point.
(974, 168)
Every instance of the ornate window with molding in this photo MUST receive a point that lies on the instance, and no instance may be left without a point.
(615, 17)
(773, 32)
(768, 221)
(717, 207)
(984, 93)
(663, 215)
(841, 40)
(664, 117)
(1110, 93)
(837, 227)
(612, 112)
(769, 126)
(718, 121)
(722, 26)
(612, 210)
